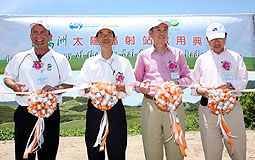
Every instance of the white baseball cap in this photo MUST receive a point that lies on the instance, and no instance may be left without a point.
(215, 30)
(42, 23)
(158, 22)
(104, 27)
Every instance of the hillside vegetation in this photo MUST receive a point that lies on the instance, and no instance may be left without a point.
(73, 113)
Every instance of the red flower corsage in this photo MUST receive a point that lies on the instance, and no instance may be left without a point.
(37, 65)
(226, 65)
(171, 65)
(119, 77)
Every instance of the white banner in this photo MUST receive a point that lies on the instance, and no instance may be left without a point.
(74, 35)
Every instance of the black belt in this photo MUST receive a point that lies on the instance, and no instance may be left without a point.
(204, 101)
(149, 97)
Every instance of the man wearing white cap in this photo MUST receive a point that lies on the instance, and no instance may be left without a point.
(106, 67)
(152, 69)
(220, 68)
(38, 68)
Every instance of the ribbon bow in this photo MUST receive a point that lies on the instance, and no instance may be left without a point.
(221, 102)
(168, 97)
(104, 96)
(41, 105)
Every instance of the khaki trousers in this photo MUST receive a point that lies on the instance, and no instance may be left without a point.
(156, 128)
(212, 137)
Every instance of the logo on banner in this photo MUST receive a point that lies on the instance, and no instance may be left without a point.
(75, 26)
(174, 23)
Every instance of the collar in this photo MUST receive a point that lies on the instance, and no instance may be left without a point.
(152, 49)
(48, 54)
(224, 50)
(114, 56)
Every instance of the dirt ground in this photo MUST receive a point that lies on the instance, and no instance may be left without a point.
(73, 148)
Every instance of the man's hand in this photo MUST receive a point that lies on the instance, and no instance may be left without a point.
(145, 86)
(203, 91)
(19, 87)
(15, 86)
(120, 87)
(224, 86)
(48, 88)
(87, 90)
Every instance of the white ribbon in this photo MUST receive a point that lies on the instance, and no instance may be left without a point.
(87, 86)
(222, 129)
(104, 126)
(38, 138)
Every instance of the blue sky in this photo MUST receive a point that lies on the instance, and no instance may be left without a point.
(125, 7)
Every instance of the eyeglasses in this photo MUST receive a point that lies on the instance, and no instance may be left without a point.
(109, 35)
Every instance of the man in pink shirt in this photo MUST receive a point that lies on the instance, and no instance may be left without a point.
(220, 68)
(154, 66)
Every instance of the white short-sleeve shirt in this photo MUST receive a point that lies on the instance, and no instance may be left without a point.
(56, 70)
(209, 70)
(98, 69)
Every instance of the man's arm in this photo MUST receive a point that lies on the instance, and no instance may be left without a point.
(48, 88)
(15, 86)
(63, 86)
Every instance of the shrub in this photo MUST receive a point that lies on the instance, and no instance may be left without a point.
(80, 108)
(190, 107)
(191, 121)
(82, 100)
(67, 118)
(64, 99)
(6, 134)
(248, 104)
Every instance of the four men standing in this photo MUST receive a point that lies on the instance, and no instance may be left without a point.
(154, 66)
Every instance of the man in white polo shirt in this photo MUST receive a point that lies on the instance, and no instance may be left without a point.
(220, 68)
(106, 67)
(38, 68)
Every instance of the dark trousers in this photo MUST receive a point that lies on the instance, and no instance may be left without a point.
(116, 142)
(24, 124)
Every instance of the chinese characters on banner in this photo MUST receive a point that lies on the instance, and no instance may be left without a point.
(75, 36)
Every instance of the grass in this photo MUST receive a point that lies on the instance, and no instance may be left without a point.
(3, 64)
(6, 112)
(250, 63)
(72, 128)
(73, 115)
(133, 120)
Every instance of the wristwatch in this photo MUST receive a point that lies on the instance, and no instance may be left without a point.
(230, 86)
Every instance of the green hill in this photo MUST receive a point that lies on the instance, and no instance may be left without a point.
(6, 113)
(73, 116)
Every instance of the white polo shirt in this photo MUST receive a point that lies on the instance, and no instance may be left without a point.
(56, 70)
(209, 71)
(98, 69)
